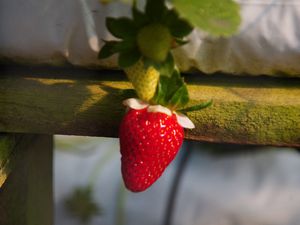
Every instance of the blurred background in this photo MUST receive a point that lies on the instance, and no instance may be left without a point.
(207, 184)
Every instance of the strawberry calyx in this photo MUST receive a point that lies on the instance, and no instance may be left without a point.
(172, 93)
(137, 104)
(144, 43)
(148, 36)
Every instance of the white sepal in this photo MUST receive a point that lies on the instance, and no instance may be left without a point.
(184, 121)
(159, 108)
(135, 103)
(138, 104)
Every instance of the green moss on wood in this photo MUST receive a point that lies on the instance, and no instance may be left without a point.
(248, 123)
(81, 102)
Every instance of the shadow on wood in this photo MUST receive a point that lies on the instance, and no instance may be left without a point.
(26, 195)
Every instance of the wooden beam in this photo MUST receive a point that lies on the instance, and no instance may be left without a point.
(246, 110)
(26, 195)
(7, 155)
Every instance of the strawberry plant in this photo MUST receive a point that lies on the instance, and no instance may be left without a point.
(145, 44)
(152, 130)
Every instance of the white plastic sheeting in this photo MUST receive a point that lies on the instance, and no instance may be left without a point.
(70, 31)
(261, 188)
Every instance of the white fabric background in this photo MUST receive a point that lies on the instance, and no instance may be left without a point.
(61, 31)
(254, 188)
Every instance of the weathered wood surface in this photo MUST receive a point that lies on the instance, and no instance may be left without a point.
(7, 154)
(26, 195)
(264, 111)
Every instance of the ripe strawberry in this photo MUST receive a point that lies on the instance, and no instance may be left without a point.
(150, 137)
(143, 80)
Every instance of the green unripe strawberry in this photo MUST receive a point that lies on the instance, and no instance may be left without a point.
(154, 41)
(143, 80)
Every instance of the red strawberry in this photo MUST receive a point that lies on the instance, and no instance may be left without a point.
(149, 141)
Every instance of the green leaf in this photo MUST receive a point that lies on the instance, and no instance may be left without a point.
(121, 27)
(171, 91)
(125, 46)
(128, 93)
(128, 58)
(180, 97)
(167, 67)
(139, 18)
(197, 107)
(155, 10)
(167, 86)
(172, 84)
(108, 49)
(219, 18)
(178, 27)
(160, 94)
(181, 29)
(112, 47)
